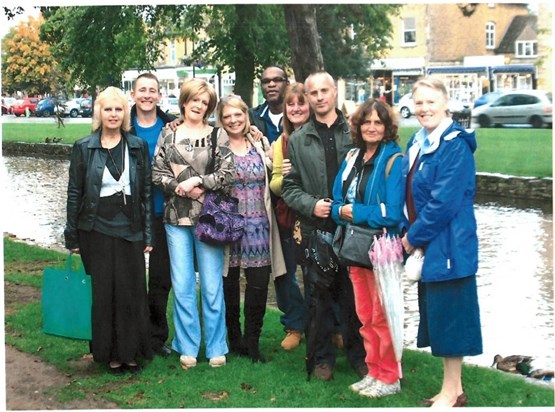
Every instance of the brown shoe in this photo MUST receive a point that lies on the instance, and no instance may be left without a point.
(292, 340)
(337, 340)
(324, 372)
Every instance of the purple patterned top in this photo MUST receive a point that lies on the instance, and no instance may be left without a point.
(253, 250)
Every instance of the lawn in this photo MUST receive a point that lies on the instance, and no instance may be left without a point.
(511, 151)
(279, 383)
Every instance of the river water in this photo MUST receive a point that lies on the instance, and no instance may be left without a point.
(515, 277)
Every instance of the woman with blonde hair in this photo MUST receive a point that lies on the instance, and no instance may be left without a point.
(259, 251)
(109, 222)
(180, 170)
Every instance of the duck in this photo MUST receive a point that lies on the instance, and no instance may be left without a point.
(541, 374)
(509, 363)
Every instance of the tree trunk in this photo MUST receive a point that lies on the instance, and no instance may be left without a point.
(304, 41)
(244, 60)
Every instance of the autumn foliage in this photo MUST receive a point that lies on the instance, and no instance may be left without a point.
(27, 64)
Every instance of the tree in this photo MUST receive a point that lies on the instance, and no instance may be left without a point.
(96, 44)
(27, 64)
(242, 38)
(304, 40)
(353, 35)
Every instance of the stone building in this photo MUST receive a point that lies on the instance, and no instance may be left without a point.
(474, 47)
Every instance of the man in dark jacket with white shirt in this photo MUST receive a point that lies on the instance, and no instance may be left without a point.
(268, 116)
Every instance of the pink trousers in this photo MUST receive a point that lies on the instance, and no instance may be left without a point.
(380, 355)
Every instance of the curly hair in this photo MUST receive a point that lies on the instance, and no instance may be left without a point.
(386, 115)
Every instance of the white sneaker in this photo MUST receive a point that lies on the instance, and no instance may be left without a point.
(217, 361)
(187, 362)
(379, 389)
(362, 384)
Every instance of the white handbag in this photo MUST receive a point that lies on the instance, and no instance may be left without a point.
(413, 265)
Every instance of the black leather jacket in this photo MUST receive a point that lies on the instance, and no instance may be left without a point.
(85, 180)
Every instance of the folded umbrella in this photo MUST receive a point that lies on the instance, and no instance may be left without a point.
(386, 255)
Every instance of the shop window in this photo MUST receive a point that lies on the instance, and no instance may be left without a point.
(409, 31)
(526, 49)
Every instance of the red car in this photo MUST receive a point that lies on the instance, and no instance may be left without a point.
(21, 106)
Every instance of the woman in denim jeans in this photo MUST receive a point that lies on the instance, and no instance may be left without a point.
(179, 168)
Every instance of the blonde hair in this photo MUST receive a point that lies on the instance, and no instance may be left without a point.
(237, 103)
(111, 94)
(193, 87)
(432, 83)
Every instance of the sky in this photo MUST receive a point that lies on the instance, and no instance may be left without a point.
(6, 25)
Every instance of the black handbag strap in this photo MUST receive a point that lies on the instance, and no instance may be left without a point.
(213, 142)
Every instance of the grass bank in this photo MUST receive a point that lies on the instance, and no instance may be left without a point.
(517, 152)
(279, 383)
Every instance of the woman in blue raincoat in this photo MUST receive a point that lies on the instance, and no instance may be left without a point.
(440, 177)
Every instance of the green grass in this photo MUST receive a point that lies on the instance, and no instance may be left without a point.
(517, 152)
(38, 132)
(279, 383)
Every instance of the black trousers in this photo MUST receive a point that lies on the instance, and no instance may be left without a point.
(322, 317)
(120, 327)
(159, 285)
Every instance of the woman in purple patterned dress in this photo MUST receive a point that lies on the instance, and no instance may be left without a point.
(259, 251)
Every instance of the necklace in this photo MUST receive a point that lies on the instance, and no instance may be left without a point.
(120, 173)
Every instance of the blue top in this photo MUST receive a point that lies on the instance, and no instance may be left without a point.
(262, 114)
(150, 135)
(443, 189)
(378, 191)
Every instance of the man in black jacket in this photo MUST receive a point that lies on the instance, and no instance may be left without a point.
(147, 122)
(268, 116)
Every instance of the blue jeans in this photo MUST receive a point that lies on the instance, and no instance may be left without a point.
(288, 293)
(182, 245)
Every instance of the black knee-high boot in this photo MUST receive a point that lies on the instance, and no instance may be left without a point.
(232, 297)
(255, 308)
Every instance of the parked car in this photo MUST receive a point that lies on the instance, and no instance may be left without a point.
(21, 106)
(86, 107)
(7, 103)
(170, 105)
(533, 107)
(72, 107)
(486, 98)
(49, 106)
(406, 106)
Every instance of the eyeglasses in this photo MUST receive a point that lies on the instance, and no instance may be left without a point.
(273, 79)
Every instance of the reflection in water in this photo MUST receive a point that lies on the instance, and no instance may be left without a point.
(515, 276)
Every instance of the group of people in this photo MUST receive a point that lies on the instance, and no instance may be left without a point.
(137, 185)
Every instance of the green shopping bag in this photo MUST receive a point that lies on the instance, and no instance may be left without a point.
(66, 301)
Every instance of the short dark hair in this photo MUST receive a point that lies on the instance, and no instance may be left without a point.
(386, 115)
(147, 75)
(276, 67)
